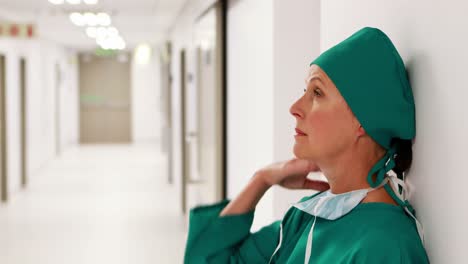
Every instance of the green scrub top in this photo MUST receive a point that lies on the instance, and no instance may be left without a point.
(370, 233)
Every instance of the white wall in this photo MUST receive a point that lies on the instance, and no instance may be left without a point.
(41, 57)
(145, 98)
(271, 44)
(433, 47)
(250, 97)
(296, 43)
(69, 96)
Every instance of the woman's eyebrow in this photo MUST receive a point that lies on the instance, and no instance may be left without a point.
(307, 81)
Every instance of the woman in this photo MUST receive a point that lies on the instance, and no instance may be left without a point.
(355, 123)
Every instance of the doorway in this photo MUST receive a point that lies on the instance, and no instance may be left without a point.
(104, 99)
(166, 106)
(206, 110)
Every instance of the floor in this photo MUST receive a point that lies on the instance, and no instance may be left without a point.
(95, 204)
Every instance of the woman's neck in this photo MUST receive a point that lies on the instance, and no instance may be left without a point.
(379, 195)
(348, 172)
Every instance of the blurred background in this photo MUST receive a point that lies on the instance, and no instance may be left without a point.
(118, 116)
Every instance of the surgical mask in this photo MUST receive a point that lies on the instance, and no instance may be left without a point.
(330, 206)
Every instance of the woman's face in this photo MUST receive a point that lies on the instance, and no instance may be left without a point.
(327, 124)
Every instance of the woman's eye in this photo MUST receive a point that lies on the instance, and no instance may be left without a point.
(317, 93)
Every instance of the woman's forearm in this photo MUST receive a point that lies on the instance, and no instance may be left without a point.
(249, 197)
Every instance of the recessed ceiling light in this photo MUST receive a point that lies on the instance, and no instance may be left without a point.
(111, 42)
(121, 45)
(91, 19)
(74, 2)
(77, 19)
(103, 19)
(56, 2)
(90, 2)
(143, 54)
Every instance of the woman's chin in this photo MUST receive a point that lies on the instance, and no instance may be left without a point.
(299, 152)
(302, 151)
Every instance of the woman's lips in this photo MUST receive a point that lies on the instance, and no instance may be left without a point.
(300, 133)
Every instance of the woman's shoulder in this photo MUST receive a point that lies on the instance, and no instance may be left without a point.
(389, 228)
(404, 247)
(383, 233)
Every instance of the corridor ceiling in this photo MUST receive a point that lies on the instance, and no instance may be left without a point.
(137, 21)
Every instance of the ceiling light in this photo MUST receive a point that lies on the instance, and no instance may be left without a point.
(77, 19)
(111, 43)
(118, 43)
(91, 19)
(90, 2)
(121, 45)
(103, 19)
(74, 2)
(56, 2)
(143, 54)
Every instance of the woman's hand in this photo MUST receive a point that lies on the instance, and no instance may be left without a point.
(292, 174)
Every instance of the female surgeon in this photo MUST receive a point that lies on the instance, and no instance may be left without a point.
(355, 123)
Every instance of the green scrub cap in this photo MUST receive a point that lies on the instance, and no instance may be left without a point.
(370, 75)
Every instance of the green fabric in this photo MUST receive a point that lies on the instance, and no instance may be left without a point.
(371, 233)
(227, 239)
(369, 73)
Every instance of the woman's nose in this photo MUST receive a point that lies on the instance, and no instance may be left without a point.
(295, 111)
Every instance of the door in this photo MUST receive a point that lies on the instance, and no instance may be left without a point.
(206, 138)
(192, 128)
(104, 100)
(166, 105)
(3, 145)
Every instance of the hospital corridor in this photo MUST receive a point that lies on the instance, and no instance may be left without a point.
(95, 204)
(233, 131)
